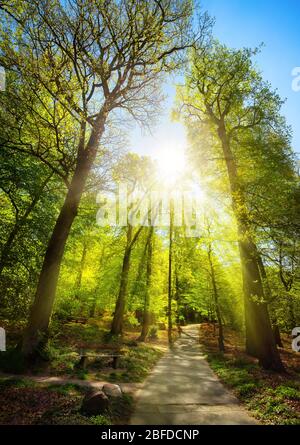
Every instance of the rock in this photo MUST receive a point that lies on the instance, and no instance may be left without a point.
(95, 403)
(112, 390)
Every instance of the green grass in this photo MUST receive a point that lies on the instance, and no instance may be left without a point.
(137, 362)
(62, 354)
(269, 405)
(288, 392)
(7, 382)
(134, 365)
(67, 388)
(100, 420)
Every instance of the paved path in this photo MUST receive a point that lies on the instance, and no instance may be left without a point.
(183, 390)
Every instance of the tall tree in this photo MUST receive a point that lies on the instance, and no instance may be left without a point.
(170, 272)
(215, 294)
(92, 58)
(134, 172)
(146, 310)
(226, 92)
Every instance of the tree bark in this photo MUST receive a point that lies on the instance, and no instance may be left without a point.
(80, 271)
(292, 317)
(170, 296)
(146, 315)
(260, 341)
(117, 323)
(267, 287)
(288, 284)
(216, 301)
(92, 310)
(35, 334)
(277, 336)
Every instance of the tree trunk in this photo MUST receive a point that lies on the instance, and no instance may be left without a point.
(216, 300)
(267, 287)
(170, 338)
(140, 271)
(260, 340)
(177, 297)
(35, 334)
(259, 336)
(92, 310)
(146, 315)
(288, 284)
(291, 312)
(117, 323)
(277, 335)
(80, 271)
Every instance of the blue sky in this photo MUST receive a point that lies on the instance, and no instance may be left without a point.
(240, 23)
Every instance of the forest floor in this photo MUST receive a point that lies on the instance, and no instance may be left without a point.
(271, 398)
(52, 392)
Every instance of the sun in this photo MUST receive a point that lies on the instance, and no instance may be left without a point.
(171, 163)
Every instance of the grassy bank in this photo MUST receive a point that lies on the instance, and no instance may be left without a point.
(69, 342)
(270, 397)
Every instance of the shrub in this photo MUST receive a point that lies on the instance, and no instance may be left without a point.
(153, 332)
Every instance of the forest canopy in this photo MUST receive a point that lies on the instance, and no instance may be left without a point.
(78, 73)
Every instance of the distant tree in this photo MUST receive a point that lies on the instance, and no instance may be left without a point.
(146, 310)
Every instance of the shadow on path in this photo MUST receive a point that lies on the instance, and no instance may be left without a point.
(183, 390)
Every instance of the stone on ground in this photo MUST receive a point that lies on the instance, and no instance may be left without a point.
(95, 403)
(112, 390)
